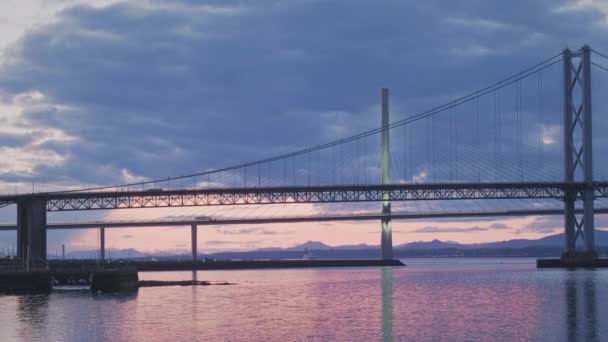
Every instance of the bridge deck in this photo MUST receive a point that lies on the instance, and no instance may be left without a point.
(237, 221)
(67, 201)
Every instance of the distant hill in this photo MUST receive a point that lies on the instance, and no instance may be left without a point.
(557, 240)
(548, 246)
(310, 245)
(435, 244)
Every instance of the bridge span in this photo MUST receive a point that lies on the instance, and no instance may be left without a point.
(194, 223)
(576, 189)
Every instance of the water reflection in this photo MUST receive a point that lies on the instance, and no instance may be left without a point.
(33, 314)
(452, 303)
(120, 297)
(387, 303)
(581, 328)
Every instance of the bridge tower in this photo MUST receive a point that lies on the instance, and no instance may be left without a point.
(578, 155)
(387, 232)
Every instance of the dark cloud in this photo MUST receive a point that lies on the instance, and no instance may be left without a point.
(162, 91)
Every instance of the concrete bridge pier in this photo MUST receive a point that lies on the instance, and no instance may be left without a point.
(102, 243)
(194, 233)
(31, 231)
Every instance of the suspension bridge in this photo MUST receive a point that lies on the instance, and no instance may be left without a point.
(522, 146)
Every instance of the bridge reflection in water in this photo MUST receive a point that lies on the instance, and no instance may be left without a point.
(387, 304)
(581, 319)
(542, 300)
(441, 299)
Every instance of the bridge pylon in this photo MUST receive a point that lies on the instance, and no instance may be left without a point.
(387, 232)
(578, 156)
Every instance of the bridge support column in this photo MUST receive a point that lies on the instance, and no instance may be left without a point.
(194, 233)
(31, 231)
(570, 198)
(102, 243)
(588, 192)
(387, 233)
(578, 157)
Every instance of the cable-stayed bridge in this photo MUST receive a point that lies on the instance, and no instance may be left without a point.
(526, 141)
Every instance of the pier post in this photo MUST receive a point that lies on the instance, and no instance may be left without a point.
(31, 231)
(387, 234)
(102, 243)
(193, 231)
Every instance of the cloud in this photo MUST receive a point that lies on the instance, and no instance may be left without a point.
(462, 229)
(144, 85)
(232, 243)
(555, 224)
(498, 225)
(433, 229)
(251, 231)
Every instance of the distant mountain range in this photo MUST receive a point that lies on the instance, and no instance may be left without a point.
(548, 246)
(557, 240)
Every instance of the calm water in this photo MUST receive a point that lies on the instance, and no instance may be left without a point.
(430, 300)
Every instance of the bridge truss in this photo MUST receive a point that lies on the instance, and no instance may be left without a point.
(322, 194)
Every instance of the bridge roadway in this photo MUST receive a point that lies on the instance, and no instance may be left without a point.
(367, 217)
(158, 198)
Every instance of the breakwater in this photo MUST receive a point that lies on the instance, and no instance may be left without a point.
(187, 265)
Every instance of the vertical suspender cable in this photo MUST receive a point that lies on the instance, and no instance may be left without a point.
(318, 171)
(541, 126)
(520, 143)
(333, 161)
(411, 155)
(309, 168)
(495, 98)
(433, 152)
(428, 147)
(499, 136)
(477, 142)
(342, 163)
(404, 153)
(357, 163)
(457, 145)
(517, 133)
(365, 180)
(451, 145)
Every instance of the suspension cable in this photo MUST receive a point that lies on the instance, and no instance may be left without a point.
(436, 110)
